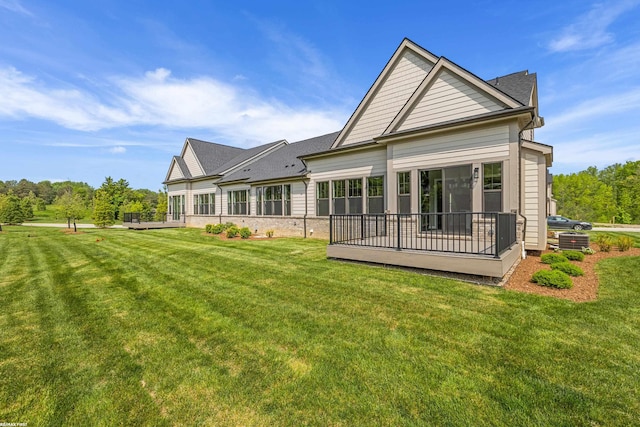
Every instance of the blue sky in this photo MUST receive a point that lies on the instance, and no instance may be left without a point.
(90, 89)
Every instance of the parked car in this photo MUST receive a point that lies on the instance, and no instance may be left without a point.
(556, 221)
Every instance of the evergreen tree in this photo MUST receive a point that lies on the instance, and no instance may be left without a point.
(11, 211)
(103, 211)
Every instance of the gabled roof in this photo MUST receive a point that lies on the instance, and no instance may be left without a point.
(518, 85)
(282, 163)
(211, 155)
(411, 53)
(245, 156)
(178, 162)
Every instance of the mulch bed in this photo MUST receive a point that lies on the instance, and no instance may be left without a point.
(585, 288)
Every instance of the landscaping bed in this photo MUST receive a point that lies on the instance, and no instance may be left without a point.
(585, 288)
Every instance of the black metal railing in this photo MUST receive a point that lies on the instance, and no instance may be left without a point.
(151, 216)
(482, 233)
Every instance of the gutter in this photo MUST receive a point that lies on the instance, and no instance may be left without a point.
(306, 207)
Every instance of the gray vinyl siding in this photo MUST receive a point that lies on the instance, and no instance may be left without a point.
(192, 162)
(474, 146)
(532, 193)
(175, 173)
(449, 98)
(390, 98)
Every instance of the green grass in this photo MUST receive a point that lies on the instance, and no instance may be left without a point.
(116, 327)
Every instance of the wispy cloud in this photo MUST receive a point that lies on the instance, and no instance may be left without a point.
(594, 108)
(14, 6)
(159, 99)
(118, 150)
(591, 29)
(579, 153)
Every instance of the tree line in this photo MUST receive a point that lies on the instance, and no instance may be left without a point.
(77, 200)
(608, 195)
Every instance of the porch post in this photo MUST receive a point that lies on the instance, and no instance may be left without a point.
(399, 231)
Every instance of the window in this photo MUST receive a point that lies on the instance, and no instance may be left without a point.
(273, 200)
(322, 198)
(492, 187)
(354, 196)
(238, 202)
(339, 199)
(375, 194)
(404, 192)
(204, 204)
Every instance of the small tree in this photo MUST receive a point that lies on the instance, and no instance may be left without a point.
(103, 211)
(70, 207)
(161, 207)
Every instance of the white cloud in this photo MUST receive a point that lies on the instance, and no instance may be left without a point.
(160, 99)
(14, 6)
(117, 150)
(596, 108)
(591, 29)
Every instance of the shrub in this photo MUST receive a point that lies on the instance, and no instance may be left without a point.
(217, 229)
(208, 228)
(604, 242)
(228, 225)
(567, 267)
(269, 233)
(232, 232)
(553, 279)
(245, 233)
(588, 251)
(573, 255)
(553, 258)
(624, 243)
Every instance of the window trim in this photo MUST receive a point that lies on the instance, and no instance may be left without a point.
(492, 190)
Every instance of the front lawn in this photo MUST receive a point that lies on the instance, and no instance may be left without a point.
(172, 327)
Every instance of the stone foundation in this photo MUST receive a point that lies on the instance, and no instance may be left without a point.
(289, 226)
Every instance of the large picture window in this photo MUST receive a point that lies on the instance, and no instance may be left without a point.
(492, 187)
(204, 204)
(354, 196)
(273, 200)
(238, 202)
(322, 198)
(404, 192)
(375, 194)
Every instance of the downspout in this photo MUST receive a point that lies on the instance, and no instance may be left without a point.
(306, 207)
(524, 228)
(219, 215)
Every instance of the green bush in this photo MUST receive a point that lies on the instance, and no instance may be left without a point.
(553, 258)
(245, 233)
(604, 242)
(567, 267)
(217, 229)
(232, 232)
(573, 255)
(553, 279)
(588, 251)
(624, 243)
(208, 228)
(269, 233)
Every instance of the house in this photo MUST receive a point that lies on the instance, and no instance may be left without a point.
(436, 168)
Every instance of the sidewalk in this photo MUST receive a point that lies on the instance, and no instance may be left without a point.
(43, 224)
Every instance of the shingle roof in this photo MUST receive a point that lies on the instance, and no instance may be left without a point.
(212, 155)
(245, 155)
(517, 85)
(284, 162)
(183, 166)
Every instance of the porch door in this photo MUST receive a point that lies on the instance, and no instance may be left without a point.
(177, 207)
(445, 190)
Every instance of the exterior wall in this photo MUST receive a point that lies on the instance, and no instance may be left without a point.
(534, 199)
(348, 165)
(192, 162)
(475, 147)
(175, 173)
(283, 226)
(390, 98)
(449, 98)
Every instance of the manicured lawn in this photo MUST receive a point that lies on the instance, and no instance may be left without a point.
(170, 327)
